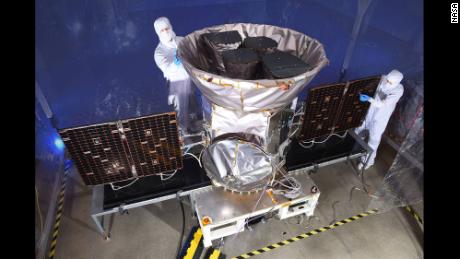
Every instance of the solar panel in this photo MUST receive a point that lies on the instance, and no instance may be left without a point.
(354, 111)
(336, 107)
(321, 108)
(117, 151)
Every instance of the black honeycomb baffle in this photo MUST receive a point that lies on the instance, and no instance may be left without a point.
(217, 42)
(260, 44)
(223, 38)
(279, 65)
(240, 63)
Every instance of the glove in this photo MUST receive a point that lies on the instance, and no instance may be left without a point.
(364, 97)
(177, 61)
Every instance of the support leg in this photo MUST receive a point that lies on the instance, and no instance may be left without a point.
(207, 241)
(100, 226)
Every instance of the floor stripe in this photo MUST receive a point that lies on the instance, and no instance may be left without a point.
(194, 244)
(59, 209)
(414, 214)
(304, 235)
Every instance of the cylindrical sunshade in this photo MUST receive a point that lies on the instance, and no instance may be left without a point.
(251, 95)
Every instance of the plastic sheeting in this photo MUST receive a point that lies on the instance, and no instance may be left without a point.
(408, 110)
(86, 49)
(403, 183)
(251, 95)
(49, 169)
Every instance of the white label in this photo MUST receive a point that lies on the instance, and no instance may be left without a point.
(454, 13)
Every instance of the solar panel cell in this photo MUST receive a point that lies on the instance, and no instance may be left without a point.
(322, 105)
(113, 152)
(354, 111)
(336, 107)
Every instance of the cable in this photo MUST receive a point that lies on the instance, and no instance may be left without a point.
(116, 188)
(202, 143)
(333, 212)
(253, 209)
(320, 142)
(363, 182)
(292, 187)
(269, 183)
(201, 153)
(39, 210)
(311, 145)
(328, 137)
(299, 111)
(183, 227)
(199, 162)
(169, 176)
(362, 175)
(191, 135)
(297, 114)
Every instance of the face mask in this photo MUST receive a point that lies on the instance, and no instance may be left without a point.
(387, 84)
(392, 80)
(165, 32)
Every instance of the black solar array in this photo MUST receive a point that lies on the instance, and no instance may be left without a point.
(154, 144)
(354, 111)
(336, 107)
(322, 105)
(112, 152)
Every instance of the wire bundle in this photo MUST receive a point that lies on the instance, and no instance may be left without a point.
(312, 142)
(116, 188)
(288, 186)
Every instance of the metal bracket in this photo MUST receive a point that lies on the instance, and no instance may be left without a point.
(315, 169)
(122, 210)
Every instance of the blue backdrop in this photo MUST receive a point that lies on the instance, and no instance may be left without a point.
(94, 58)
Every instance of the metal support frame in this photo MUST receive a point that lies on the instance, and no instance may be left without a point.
(363, 144)
(360, 141)
(98, 212)
(97, 206)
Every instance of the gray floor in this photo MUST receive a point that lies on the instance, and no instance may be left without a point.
(153, 231)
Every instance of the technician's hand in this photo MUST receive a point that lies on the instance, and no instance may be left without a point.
(177, 61)
(364, 97)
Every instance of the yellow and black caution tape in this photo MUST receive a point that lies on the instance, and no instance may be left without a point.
(304, 235)
(414, 214)
(194, 244)
(61, 196)
(214, 254)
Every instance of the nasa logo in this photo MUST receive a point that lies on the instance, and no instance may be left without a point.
(454, 13)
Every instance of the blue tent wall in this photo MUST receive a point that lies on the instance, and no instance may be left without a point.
(94, 58)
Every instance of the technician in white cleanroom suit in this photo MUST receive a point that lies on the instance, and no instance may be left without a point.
(181, 91)
(388, 93)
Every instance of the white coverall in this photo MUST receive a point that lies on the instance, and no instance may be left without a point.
(181, 91)
(388, 93)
